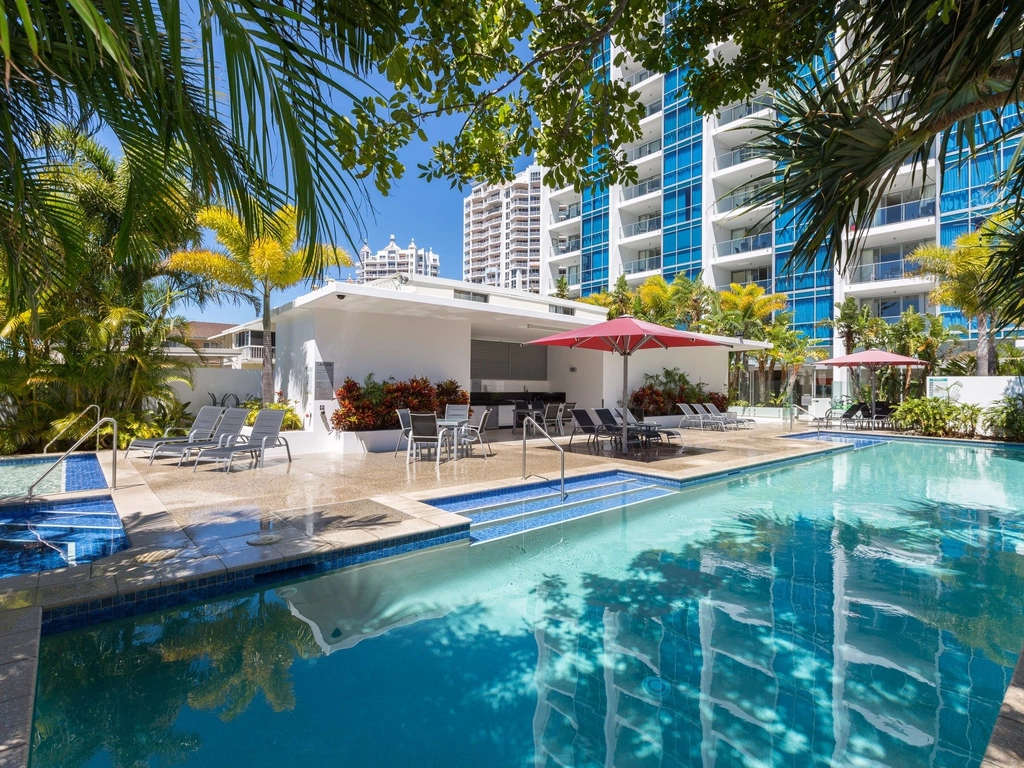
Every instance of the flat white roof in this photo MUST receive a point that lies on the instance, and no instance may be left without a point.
(505, 314)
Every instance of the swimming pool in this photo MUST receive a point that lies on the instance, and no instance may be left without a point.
(860, 609)
(44, 535)
(80, 472)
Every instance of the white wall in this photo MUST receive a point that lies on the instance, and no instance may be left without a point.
(980, 390)
(598, 376)
(220, 381)
(584, 385)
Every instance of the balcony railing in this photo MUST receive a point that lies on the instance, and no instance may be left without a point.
(744, 244)
(564, 214)
(642, 265)
(741, 155)
(747, 108)
(634, 154)
(644, 227)
(739, 199)
(572, 278)
(638, 77)
(883, 270)
(568, 246)
(908, 211)
(254, 353)
(652, 184)
(653, 108)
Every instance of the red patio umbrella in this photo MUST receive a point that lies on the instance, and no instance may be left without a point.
(626, 335)
(872, 359)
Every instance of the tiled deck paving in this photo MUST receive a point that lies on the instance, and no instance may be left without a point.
(189, 534)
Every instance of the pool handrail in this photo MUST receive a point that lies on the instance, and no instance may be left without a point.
(73, 448)
(74, 421)
(561, 452)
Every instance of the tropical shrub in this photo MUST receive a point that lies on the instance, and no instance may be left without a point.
(661, 391)
(292, 420)
(450, 393)
(1005, 420)
(937, 417)
(372, 404)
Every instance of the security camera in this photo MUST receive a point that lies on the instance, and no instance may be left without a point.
(341, 296)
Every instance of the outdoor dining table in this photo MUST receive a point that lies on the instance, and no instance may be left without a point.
(444, 426)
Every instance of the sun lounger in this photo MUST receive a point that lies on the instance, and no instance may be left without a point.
(586, 426)
(202, 428)
(744, 421)
(703, 420)
(666, 432)
(703, 410)
(266, 434)
(229, 427)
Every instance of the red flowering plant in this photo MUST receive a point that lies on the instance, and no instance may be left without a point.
(660, 393)
(373, 404)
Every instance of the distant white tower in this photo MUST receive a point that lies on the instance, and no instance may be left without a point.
(393, 260)
(501, 233)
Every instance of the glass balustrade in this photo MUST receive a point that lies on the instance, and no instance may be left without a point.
(747, 108)
(644, 264)
(741, 155)
(653, 184)
(564, 214)
(566, 246)
(649, 148)
(883, 270)
(744, 244)
(905, 211)
(642, 227)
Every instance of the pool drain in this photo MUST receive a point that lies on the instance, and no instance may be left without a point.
(264, 540)
(656, 687)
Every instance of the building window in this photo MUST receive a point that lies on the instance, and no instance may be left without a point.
(483, 298)
(557, 310)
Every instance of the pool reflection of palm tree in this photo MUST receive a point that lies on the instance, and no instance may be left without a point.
(242, 651)
(109, 690)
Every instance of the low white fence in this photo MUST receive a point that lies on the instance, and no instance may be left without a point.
(979, 390)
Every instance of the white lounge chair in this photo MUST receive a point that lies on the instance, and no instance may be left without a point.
(744, 421)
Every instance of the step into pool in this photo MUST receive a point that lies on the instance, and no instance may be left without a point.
(509, 511)
(53, 534)
(79, 472)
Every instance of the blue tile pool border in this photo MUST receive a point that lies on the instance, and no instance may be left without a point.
(64, 618)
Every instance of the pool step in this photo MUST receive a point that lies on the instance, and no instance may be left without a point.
(538, 514)
(545, 496)
(518, 494)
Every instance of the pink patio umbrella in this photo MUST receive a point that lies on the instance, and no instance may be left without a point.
(872, 359)
(626, 335)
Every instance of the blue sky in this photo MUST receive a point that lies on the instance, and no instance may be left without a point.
(429, 212)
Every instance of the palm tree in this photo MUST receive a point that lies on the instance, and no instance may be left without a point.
(963, 272)
(250, 100)
(743, 311)
(562, 287)
(271, 260)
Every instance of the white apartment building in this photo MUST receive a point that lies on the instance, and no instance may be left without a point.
(393, 260)
(501, 236)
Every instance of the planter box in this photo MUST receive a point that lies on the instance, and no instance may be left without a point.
(761, 412)
(377, 441)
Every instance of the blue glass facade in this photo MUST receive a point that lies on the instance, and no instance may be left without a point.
(682, 168)
(594, 273)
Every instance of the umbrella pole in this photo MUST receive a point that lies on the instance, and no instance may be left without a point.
(873, 398)
(625, 404)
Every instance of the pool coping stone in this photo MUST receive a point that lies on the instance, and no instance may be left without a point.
(19, 660)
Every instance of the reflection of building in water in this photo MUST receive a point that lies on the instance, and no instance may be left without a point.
(800, 652)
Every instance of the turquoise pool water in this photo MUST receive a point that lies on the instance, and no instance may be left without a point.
(860, 610)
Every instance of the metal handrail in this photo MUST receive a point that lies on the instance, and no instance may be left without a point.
(74, 421)
(561, 451)
(815, 420)
(73, 448)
